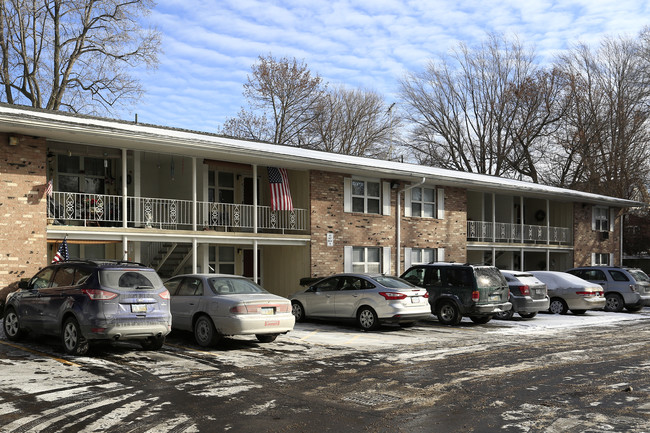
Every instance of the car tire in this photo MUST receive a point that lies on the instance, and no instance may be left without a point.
(480, 320)
(505, 315)
(266, 338)
(153, 343)
(634, 309)
(298, 311)
(448, 313)
(11, 325)
(528, 315)
(205, 333)
(558, 306)
(614, 303)
(73, 340)
(579, 312)
(367, 319)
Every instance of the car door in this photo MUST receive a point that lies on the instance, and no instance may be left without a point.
(31, 304)
(428, 277)
(185, 303)
(351, 290)
(596, 276)
(321, 300)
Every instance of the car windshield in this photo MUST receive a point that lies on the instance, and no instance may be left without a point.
(392, 282)
(639, 275)
(234, 286)
(487, 277)
(129, 278)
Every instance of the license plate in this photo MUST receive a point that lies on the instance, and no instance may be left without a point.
(495, 298)
(138, 308)
(272, 323)
(267, 311)
(415, 299)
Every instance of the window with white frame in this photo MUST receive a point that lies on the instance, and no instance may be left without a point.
(366, 196)
(82, 174)
(221, 187)
(366, 259)
(423, 202)
(601, 219)
(222, 259)
(600, 259)
(422, 255)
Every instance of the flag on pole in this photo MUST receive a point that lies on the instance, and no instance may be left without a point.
(49, 188)
(62, 254)
(280, 194)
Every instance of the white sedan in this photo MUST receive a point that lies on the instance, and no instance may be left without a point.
(370, 299)
(215, 305)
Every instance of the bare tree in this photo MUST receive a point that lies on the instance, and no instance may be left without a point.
(485, 111)
(284, 92)
(605, 135)
(354, 122)
(74, 54)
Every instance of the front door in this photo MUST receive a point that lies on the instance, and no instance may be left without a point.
(249, 265)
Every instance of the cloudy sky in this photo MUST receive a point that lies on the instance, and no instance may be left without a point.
(210, 45)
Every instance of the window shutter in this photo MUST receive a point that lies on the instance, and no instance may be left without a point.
(347, 194)
(441, 203)
(611, 259)
(407, 258)
(407, 203)
(593, 217)
(612, 219)
(385, 265)
(347, 259)
(441, 255)
(386, 197)
(593, 259)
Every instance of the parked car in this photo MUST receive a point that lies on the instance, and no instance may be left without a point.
(527, 295)
(627, 288)
(82, 301)
(213, 306)
(457, 290)
(568, 292)
(370, 299)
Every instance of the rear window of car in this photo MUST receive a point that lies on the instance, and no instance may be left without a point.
(123, 279)
(393, 282)
(639, 275)
(234, 286)
(488, 277)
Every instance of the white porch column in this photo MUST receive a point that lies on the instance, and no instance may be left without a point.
(194, 258)
(125, 248)
(255, 210)
(125, 173)
(194, 194)
(255, 264)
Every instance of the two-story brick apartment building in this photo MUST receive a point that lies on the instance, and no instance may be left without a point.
(185, 201)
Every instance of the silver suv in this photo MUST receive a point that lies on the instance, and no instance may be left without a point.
(81, 301)
(627, 288)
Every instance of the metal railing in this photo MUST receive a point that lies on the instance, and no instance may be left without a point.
(484, 231)
(68, 208)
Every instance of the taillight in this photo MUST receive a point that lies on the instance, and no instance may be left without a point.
(99, 295)
(393, 296)
(239, 309)
(164, 295)
(633, 287)
(426, 295)
(525, 290)
(260, 308)
(476, 295)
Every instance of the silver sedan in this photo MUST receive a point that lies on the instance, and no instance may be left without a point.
(370, 299)
(568, 292)
(214, 305)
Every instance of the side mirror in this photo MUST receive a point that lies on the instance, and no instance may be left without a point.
(23, 284)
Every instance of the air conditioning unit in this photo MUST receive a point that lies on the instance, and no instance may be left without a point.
(604, 236)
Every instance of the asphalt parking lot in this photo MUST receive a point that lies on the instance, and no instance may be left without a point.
(552, 373)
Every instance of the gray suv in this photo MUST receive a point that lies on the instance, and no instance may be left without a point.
(457, 290)
(627, 288)
(81, 301)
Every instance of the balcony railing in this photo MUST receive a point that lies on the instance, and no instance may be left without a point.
(69, 208)
(483, 231)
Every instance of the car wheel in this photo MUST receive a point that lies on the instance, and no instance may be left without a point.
(153, 343)
(12, 325)
(74, 342)
(528, 315)
(480, 320)
(504, 315)
(298, 311)
(205, 333)
(558, 306)
(367, 319)
(266, 338)
(614, 303)
(634, 309)
(579, 312)
(448, 314)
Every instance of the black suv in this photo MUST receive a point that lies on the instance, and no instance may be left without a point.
(84, 300)
(457, 290)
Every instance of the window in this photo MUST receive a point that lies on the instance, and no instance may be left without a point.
(618, 276)
(366, 259)
(601, 219)
(601, 259)
(221, 187)
(222, 260)
(423, 202)
(422, 255)
(365, 196)
(82, 174)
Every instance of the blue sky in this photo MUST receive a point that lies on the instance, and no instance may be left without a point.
(209, 46)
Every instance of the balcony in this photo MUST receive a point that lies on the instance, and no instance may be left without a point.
(66, 208)
(483, 231)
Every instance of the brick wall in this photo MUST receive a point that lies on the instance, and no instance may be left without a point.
(587, 241)
(358, 229)
(23, 239)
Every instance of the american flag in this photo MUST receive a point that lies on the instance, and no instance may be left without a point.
(62, 254)
(49, 188)
(280, 194)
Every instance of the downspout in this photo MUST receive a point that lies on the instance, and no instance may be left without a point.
(399, 219)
